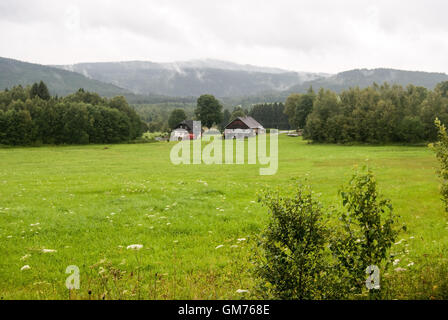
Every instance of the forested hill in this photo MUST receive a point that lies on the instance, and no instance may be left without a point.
(59, 82)
(236, 83)
(192, 78)
(148, 82)
(361, 78)
(366, 77)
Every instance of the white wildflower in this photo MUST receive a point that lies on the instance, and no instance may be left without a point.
(34, 224)
(400, 269)
(25, 267)
(135, 247)
(48, 251)
(242, 239)
(396, 261)
(242, 291)
(411, 264)
(220, 246)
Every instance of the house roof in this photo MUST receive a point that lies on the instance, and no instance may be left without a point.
(248, 121)
(188, 123)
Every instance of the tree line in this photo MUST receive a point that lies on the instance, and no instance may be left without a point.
(270, 115)
(211, 112)
(377, 114)
(31, 115)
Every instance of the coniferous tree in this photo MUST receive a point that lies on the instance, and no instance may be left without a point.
(34, 92)
(176, 117)
(43, 92)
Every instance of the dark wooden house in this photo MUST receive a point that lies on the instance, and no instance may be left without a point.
(246, 124)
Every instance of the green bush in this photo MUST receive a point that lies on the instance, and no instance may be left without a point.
(366, 231)
(441, 149)
(292, 261)
(304, 254)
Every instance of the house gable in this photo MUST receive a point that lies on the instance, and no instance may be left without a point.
(244, 123)
(237, 124)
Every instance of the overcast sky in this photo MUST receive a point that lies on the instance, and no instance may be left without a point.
(321, 36)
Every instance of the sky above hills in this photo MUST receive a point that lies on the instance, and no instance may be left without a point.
(316, 36)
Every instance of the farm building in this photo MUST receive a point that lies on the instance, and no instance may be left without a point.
(182, 129)
(185, 125)
(247, 124)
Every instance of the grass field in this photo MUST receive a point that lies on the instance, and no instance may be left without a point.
(90, 202)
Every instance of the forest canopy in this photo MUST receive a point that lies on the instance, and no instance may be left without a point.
(31, 116)
(376, 114)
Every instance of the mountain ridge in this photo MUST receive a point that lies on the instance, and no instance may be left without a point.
(191, 78)
(60, 82)
(151, 82)
(365, 77)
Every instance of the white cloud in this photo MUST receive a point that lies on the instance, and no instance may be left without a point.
(324, 36)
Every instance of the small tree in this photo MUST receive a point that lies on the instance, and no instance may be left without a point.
(441, 149)
(34, 91)
(43, 92)
(176, 117)
(237, 112)
(298, 107)
(209, 110)
(292, 260)
(367, 232)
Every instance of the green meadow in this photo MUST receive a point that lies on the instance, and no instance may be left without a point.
(84, 205)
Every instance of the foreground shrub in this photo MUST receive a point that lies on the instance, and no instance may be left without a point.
(441, 149)
(293, 257)
(367, 230)
(304, 254)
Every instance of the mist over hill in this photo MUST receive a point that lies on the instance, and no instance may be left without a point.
(236, 82)
(192, 78)
(150, 82)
